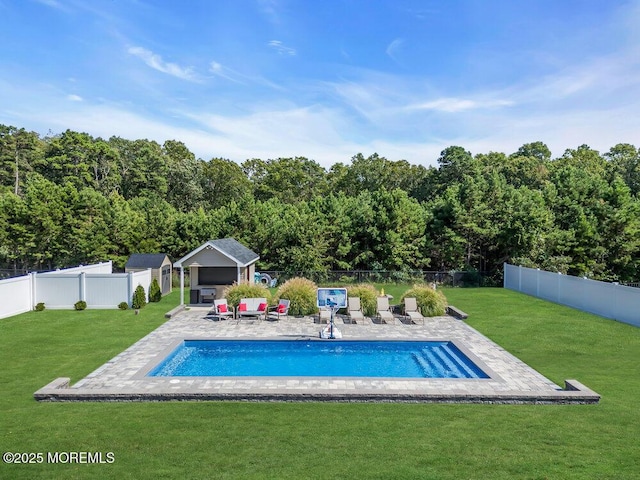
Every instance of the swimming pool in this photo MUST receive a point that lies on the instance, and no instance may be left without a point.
(314, 358)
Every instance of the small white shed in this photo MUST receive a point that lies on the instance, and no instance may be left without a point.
(159, 264)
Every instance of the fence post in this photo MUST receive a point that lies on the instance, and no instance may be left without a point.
(83, 285)
(559, 288)
(130, 288)
(32, 290)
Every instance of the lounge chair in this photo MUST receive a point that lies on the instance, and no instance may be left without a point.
(279, 311)
(384, 311)
(324, 315)
(221, 309)
(354, 310)
(412, 311)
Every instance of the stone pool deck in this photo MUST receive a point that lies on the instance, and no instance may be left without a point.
(123, 378)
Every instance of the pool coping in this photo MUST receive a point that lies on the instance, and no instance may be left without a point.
(123, 377)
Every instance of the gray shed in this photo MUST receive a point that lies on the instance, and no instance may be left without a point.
(159, 264)
(214, 265)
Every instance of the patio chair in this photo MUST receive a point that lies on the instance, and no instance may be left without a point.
(279, 311)
(412, 311)
(384, 311)
(324, 315)
(354, 310)
(221, 309)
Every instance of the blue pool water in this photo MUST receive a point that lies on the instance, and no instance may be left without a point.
(308, 358)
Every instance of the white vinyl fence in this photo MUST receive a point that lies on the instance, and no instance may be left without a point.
(609, 300)
(61, 289)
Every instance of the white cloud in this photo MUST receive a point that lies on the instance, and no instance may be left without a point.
(227, 73)
(393, 47)
(282, 49)
(453, 105)
(74, 98)
(156, 62)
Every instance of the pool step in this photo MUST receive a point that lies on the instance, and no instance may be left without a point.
(434, 363)
(443, 362)
(459, 366)
(449, 365)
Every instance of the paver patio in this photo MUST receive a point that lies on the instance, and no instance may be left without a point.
(123, 378)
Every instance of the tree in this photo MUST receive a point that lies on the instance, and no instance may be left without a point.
(537, 150)
(184, 177)
(625, 161)
(155, 295)
(68, 159)
(20, 152)
(17, 237)
(141, 166)
(454, 164)
(288, 179)
(374, 173)
(222, 182)
(48, 210)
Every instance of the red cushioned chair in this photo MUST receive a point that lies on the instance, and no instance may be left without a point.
(279, 311)
(221, 309)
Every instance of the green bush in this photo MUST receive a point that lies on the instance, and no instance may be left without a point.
(123, 305)
(80, 305)
(39, 307)
(302, 295)
(235, 292)
(139, 298)
(367, 294)
(432, 303)
(154, 291)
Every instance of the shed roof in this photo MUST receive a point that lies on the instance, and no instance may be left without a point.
(146, 260)
(229, 247)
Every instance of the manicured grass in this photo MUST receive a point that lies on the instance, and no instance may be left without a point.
(295, 440)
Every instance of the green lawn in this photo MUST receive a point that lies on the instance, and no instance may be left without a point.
(297, 440)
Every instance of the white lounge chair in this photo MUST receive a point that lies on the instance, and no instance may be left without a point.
(384, 311)
(354, 310)
(324, 315)
(412, 311)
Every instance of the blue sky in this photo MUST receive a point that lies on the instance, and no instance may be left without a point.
(326, 79)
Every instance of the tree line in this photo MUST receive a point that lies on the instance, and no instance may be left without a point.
(71, 198)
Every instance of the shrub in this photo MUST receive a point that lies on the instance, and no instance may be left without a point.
(39, 307)
(123, 305)
(302, 295)
(80, 305)
(367, 293)
(432, 303)
(154, 291)
(235, 292)
(139, 298)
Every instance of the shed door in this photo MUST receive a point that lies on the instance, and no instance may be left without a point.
(166, 280)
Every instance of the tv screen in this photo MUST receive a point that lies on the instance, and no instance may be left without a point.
(217, 275)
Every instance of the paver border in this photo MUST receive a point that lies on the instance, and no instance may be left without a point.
(123, 378)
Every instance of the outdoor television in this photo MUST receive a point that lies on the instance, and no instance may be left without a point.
(332, 297)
